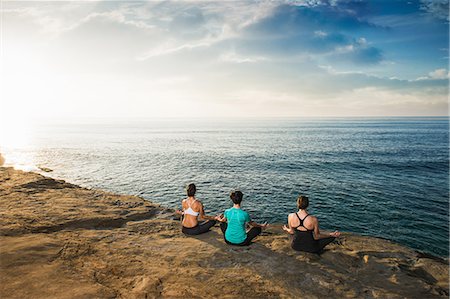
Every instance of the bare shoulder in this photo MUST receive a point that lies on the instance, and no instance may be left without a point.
(312, 219)
(291, 218)
(198, 203)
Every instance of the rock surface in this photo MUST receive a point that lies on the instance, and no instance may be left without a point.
(58, 240)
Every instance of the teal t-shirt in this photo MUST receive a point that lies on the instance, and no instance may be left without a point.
(236, 219)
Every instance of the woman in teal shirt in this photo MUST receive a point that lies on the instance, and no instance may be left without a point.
(233, 223)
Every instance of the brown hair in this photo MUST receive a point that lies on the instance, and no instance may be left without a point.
(236, 196)
(302, 202)
(190, 190)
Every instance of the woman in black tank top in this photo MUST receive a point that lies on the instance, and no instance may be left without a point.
(304, 229)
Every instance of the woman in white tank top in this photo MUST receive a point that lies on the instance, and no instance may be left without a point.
(192, 212)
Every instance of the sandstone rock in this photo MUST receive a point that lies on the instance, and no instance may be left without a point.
(58, 240)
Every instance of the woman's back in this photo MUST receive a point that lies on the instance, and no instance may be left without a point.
(237, 219)
(302, 221)
(191, 209)
(305, 229)
(303, 238)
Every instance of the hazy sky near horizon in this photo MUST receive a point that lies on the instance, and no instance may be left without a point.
(226, 58)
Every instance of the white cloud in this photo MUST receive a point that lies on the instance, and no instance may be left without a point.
(127, 55)
(437, 74)
(332, 71)
(169, 48)
(437, 8)
(360, 43)
(304, 2)
(373, 101)
(345, 49)
(233, 57)
(320, 33)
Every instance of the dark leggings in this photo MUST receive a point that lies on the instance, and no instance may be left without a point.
(251, 234)
(324, 242)
(308, 243)
(199, 228)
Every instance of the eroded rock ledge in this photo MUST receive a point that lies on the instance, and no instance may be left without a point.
(58, 240)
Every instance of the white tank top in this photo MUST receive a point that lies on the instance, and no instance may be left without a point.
(189, 210)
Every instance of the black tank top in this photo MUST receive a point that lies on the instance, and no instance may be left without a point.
(301, 223)
(303, 240)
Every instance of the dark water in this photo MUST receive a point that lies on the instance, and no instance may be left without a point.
(383, 177)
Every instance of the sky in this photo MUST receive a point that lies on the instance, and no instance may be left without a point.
(151, 59)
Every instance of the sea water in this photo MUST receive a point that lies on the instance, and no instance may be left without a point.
(385, 177)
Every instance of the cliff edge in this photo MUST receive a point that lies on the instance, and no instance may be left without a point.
(59, 240)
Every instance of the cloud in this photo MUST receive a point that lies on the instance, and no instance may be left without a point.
(372, 101)
(281, 56)
(343, 81)
(187, 20)
(232, 57)
(288, 19)
(318, 29)
(169, 48)
(358, 52)
(320, 33)
(364, 55)
(438, 74)
(436, 8)
(54, 19)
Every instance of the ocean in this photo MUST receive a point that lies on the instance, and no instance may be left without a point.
(384, 177)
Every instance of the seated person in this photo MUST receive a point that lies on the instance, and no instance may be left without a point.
(233, 223)
(192, 212)
(305, 230)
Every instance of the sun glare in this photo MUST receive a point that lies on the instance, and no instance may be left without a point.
(14, 133)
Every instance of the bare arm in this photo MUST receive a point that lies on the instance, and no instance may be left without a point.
(220, 218)
(287, 228)
(181, 212)
(318, 235)
(203, 215)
